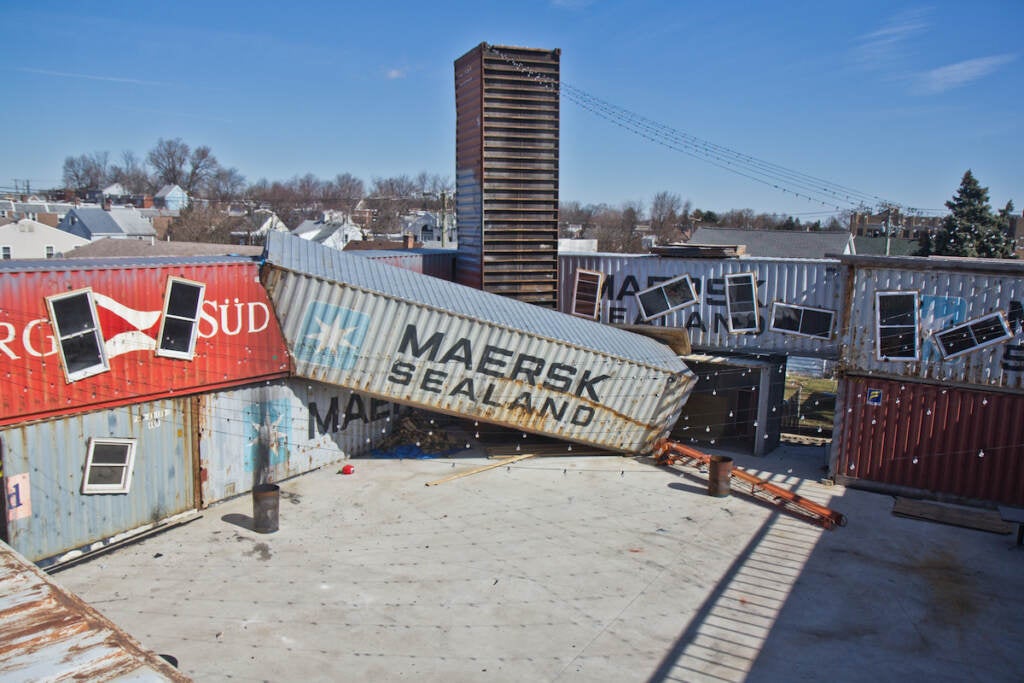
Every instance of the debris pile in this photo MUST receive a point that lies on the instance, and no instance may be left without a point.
(416, 436)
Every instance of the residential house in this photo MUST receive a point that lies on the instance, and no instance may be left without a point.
(171, 197)
(28, 239)
(334, 229)
(94, 223)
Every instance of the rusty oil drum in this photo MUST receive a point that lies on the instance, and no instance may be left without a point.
(719, 472)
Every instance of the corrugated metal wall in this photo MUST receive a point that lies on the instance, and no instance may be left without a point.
(455, 350)
(53, 455)
(435, 263)
(949, 292)
(930, 438)
(280, 429)
(507, 127)
(238, 337)
(812, 283)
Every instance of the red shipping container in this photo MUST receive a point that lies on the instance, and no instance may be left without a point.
(129, 331)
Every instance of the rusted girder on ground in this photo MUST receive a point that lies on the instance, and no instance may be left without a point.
(668, 452)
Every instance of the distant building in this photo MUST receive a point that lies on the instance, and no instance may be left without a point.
(117, 223)
(28, 239)
(779, 243)
(171, 197)
(333, 229)
(894, 223)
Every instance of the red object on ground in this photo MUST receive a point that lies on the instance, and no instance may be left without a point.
(348, 469)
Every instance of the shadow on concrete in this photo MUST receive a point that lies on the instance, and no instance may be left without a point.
(244, 521)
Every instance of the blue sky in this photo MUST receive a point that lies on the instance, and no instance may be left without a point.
(891, 99)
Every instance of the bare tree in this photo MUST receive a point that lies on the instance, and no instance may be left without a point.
(391, 198)
(202, 165)
(86, 171)
(225, 184)
(665, 209)
(131, 173)
(345, 191)
(168, 159)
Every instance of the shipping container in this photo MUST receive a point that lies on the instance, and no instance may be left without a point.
(915, 438)
(80, 334)
(73, 483)
(506, 158)
(950, 320)
(748, 305)
(439, 263)
(402, 337)
(275, 430)
(50, 634)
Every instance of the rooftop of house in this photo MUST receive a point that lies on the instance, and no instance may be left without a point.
(113, 248)
(777, 243)
(113, 221)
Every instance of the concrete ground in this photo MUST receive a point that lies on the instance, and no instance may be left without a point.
(567, 569)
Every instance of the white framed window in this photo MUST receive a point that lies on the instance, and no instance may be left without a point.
(183, 301)
(803, 321)
(586, 293)
(741, 302)
(75, 324)
(896, 326)
(109, 465)
(666, 297)
(50, 251)
(5, 253)
(972, 335)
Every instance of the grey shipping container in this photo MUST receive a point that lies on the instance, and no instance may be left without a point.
(420, 341)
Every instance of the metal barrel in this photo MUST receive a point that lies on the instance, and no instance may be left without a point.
(719, 472)
(266, 500)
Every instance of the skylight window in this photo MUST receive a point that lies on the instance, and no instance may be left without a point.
(802, 321)
(741, 302)
(666, 297)
(896, 322)
(74, 322)
(972, 335)
(586, 293)
(183, 302)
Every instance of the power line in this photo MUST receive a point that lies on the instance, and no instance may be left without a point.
(799, 184)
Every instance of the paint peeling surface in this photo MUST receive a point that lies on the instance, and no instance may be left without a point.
(236, 339)
(49, 634)
(816, 284)
(947, 292)
(415, 340)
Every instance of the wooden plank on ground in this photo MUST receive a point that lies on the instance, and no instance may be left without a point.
(475, 470)
(956, 515)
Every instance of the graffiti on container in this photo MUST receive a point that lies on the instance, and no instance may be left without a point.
(153, 418)
(469, 371)
(357, 409)
(269, 423)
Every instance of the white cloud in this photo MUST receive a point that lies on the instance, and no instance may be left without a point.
(886, 46)
(959, 74)
(392, 74)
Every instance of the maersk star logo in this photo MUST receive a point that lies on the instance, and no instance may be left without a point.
(331, 336)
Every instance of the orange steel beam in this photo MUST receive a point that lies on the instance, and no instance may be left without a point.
(668, 452)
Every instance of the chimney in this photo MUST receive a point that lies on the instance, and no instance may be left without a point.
(410, 240)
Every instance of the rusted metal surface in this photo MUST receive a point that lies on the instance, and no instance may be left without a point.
(670, 452)
(948, 291)
(272, 431)
(49, 634)
(933, 439)
(238, 337)
(49, 515)
(801, 282)
(420, 341)
(507, 143)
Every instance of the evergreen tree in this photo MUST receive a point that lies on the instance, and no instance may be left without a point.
(970, 229)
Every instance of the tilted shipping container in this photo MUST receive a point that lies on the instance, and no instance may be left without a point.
(420, 341)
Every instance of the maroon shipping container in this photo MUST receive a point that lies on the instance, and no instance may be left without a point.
(944, 441)
(82, 334)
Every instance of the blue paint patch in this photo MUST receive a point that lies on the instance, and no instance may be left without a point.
(938, 313)
(331, 336)
(268, 432)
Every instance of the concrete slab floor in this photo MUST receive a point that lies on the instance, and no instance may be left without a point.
(567, 569)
